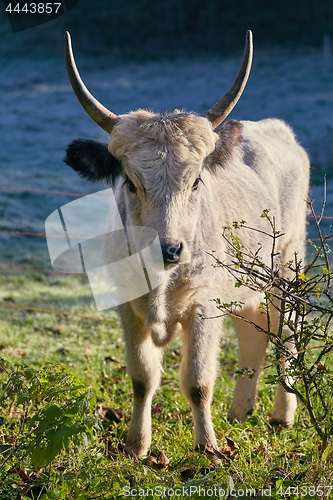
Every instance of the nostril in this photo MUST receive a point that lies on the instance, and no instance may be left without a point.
(179, 249)
(173, 249)
(171, 253)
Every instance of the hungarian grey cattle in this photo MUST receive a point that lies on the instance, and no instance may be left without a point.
(188, 177)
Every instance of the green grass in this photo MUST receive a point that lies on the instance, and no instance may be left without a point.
(92, 351)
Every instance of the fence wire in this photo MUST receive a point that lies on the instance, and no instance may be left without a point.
(23, 189)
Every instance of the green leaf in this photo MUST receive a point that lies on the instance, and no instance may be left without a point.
(95, 482)
(23, 398)
(38, 457)
(326, 453)
(53, 411)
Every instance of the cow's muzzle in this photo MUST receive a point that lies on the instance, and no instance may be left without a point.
(171, 252)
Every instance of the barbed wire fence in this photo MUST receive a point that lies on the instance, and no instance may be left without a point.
(35, 234)
(29, 269)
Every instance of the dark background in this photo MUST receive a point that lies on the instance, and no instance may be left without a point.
(155, 54)
(155, 28)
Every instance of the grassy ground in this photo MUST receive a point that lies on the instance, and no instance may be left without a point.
(274, 462)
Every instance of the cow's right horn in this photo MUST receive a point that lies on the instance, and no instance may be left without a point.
(101, 115)
(224, 106)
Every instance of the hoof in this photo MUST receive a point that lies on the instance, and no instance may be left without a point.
(233, 418)
(134, 451)
(129, 450)
(280, 424)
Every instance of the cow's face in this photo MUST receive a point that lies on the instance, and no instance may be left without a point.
(161, 158)
(162, 166)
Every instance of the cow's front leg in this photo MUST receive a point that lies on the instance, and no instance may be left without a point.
(198, 371)
(144, 363)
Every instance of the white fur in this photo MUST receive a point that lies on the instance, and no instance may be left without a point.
(163, 155)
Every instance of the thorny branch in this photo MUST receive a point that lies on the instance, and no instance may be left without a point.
(301, 295)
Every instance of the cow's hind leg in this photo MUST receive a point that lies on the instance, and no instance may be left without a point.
(285, 403)
(198, 371)
(252, 348)
(144, 364)
(252, 345)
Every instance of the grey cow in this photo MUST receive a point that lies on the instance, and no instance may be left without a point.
(187, 177)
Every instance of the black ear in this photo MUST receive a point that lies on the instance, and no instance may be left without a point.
(92, 160)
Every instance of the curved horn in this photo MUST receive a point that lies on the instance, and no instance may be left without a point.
(224, 106)
(101, 115)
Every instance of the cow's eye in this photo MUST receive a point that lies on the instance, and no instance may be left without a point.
(130, 185)
(196, 183)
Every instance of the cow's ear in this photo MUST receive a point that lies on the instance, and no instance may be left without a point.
(230, 136)
(92, 160)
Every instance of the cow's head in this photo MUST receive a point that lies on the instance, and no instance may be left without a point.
(162, 158)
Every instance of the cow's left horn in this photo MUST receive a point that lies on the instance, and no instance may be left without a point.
(224, 106)
(101, 115)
